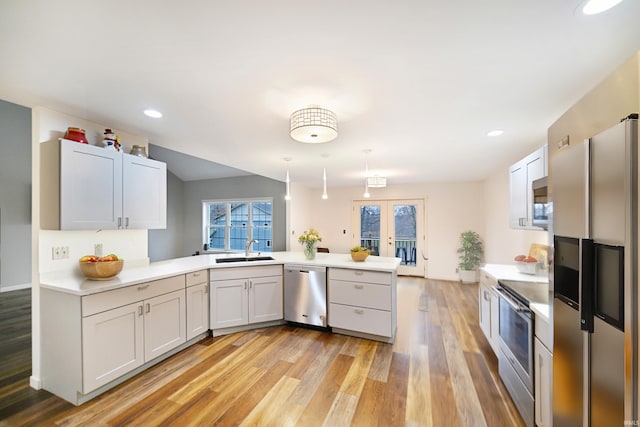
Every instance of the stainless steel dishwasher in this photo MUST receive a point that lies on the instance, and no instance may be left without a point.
(305, 294)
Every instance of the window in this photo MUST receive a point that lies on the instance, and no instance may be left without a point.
(228, 224)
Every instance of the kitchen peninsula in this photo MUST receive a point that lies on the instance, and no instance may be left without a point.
(97, 334)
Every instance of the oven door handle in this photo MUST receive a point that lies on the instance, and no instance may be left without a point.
(518, 308)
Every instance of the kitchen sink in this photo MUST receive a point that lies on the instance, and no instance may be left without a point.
(244, 259)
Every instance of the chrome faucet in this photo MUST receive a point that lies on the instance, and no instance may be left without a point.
(248, 245)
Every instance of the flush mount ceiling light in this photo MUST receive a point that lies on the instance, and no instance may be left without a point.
(496, 132)
(376, 182)
(313, 125)
(593, 7)
(152, 113)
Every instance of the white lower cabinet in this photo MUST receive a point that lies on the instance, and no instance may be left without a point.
(543, 382)
(112, 345)
(488, 309)
(92, 340)
(245, 296)
(363, 303)
(197, 303)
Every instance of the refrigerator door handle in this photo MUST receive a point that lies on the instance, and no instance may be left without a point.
(587, 284)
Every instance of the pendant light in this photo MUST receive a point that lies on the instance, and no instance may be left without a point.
(324, 178)
(366, 194)
(324, 184)
(287, 195)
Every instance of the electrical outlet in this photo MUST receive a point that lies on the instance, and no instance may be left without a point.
(97, 249)
(55, 253)
(64, 252)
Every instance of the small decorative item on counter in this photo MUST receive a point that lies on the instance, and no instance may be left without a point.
(359, 253)
(76, 134)
(526, 264)
(139, 150)
(101, 268)
(309, 239)
(110, 140)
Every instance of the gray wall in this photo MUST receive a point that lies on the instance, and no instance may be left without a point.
(169, 243)
(183, 235)
(15, 195)
(244, 187)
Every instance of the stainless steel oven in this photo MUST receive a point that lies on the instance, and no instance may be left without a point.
(515, 358)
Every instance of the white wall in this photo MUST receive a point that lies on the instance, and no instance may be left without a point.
(451, 208)
(503, 243)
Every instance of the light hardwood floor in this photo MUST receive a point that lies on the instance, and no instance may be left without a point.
(439, 372)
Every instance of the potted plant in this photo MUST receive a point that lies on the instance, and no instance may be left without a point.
(470, 253)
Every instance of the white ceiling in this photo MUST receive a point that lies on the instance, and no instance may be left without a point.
(417, 82)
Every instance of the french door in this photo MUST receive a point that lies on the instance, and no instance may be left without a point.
(393, 228)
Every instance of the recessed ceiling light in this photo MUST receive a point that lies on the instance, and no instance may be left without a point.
(153, 113)
(496, 132)
(593, 7)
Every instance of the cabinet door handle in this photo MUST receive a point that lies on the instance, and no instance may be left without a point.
(206, 290)
(245, 285)
(119, 222)
(143, 287)
(126, 222)
(486, 296)
(140, 310)
(148, 308)
(358, 286)
(250, 284)
(358, 311)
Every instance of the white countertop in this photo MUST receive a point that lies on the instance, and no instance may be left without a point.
(75, 283)
(510, 272)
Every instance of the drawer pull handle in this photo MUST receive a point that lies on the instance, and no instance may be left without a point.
(358, 286)
(196, 274)
(359, 273)
(143, 287)
(358, 311)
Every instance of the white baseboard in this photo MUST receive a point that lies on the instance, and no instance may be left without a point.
(35, 382)
(15, 287)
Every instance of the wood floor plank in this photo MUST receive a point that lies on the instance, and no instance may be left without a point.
(370, 404)
(381, 363)
(323, 398)
(342, 410)
(395, 393)
(419, 388)
(359, 371)
(268, 410)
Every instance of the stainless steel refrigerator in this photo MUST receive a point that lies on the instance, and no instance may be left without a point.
(594, 191)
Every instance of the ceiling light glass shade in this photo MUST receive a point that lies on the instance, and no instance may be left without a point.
(313, 125)
(366, 189)
(287, 196)
(496, 132)
(376, 182)
(593, 7)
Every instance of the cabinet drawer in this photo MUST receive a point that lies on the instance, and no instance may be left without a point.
(367, 320)
(362, 276)
(231, 273)
(197, 277)
(360, 294)
(97, 303)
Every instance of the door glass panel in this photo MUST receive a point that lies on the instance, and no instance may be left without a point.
(370, 228)
(405, 233)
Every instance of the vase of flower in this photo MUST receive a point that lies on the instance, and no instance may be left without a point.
(309, 240)
(310, 250)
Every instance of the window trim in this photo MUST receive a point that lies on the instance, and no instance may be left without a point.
(227, 235)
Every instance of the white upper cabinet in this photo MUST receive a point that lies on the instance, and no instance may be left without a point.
(85, 187)
(521, 176)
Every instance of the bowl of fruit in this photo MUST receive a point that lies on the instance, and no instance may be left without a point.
(101, 268)
(526, 264)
